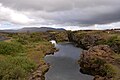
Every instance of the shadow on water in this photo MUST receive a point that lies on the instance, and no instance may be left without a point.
(64, 64)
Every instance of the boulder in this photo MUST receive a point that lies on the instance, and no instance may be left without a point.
(93, 60)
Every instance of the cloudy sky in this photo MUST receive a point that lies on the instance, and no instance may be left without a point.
(68, 14)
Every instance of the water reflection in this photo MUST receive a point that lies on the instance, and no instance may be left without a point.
(64, 64)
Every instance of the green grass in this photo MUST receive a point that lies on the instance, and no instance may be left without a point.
(10, 48)
(22, 54)
(25, 38)
(15, 68)
(110, 70)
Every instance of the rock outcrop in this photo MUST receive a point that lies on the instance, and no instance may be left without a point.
(99, 56)
(102, 78)
(38, 74)
(84, 40)
(58, 36)
(88, 39)
(115, 47)
(95, 62)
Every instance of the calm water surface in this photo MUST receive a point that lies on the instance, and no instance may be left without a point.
(64, 64)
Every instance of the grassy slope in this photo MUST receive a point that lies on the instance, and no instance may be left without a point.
(23, 54)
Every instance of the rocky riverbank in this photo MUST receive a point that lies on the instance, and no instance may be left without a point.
(87, 39)
(98, 61)
(42, 68)
(101, 55)
(22, 57)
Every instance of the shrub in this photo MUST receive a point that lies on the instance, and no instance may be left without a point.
(113, 40)
(30, 38)
(22, 41)
(10, 48)
(15, 68)
(99, 42)
(109, 70)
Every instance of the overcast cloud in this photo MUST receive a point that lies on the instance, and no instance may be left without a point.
(60, 12)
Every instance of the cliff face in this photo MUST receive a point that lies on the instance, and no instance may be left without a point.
(58, 36)
(84, 39)
(95, 61)
(101, 55)
(87, 39)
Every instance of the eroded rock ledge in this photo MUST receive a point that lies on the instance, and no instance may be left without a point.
(98, 61)
(40, 71)
(38, 74)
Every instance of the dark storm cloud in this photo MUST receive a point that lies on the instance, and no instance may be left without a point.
(78, 12)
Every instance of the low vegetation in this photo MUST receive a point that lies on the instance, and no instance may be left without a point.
(23, 54)
(10, 48)
(15, 68)
(59, 36)
(22, 57)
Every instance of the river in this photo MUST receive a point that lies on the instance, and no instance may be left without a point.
(63, 64)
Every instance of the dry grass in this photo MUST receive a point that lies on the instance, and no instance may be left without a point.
(34, 50)
(38, 51)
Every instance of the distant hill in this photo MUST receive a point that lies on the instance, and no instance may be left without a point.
(34, 29)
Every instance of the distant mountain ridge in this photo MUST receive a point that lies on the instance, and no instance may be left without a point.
(33, 29)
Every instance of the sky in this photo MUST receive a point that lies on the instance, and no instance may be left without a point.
(67, 14)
